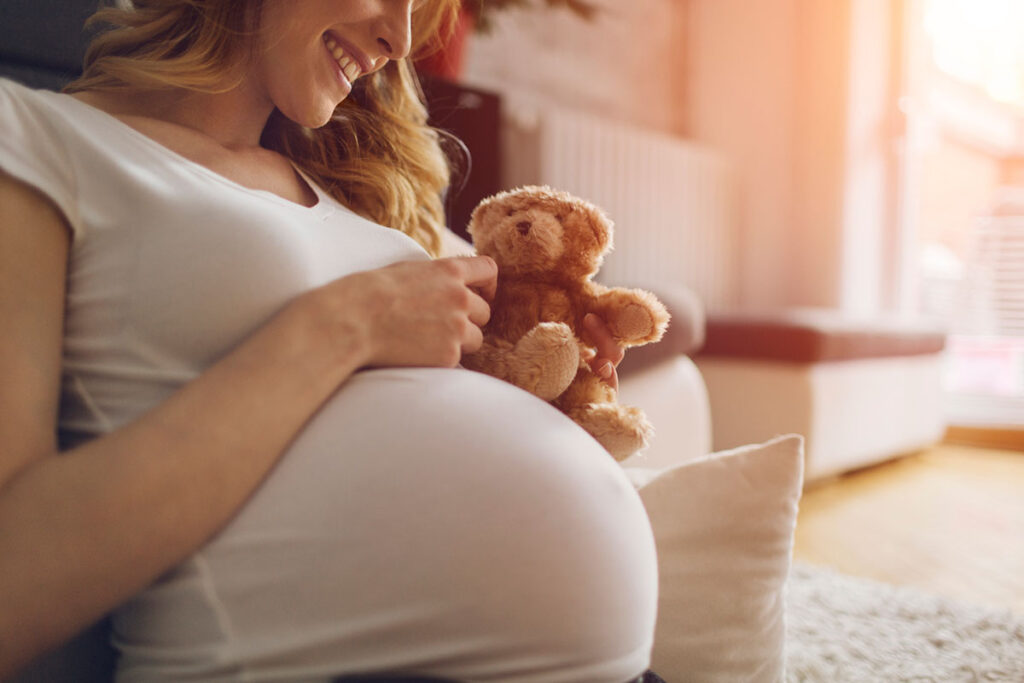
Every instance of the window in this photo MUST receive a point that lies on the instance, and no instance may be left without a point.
(963, 196)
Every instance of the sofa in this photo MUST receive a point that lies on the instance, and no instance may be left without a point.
(861, 390)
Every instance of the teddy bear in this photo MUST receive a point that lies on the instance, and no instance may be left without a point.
(548, 244)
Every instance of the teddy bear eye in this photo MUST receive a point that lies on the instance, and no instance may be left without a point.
(510, 212)
(560, 217)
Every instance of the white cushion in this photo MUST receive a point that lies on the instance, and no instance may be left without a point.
(723, 526)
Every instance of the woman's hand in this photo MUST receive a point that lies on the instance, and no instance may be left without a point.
(424, 313)
(609, 354)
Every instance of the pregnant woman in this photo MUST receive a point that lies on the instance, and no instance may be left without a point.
(230, 407)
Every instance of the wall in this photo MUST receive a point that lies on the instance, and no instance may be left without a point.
(870, 241)
(742, 96)
(819, 148)
(796, 92)
(627, 64)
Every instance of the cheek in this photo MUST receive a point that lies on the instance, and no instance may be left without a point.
(297, 80)
(292, 63)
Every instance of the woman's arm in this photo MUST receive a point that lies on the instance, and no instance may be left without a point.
(83, 531)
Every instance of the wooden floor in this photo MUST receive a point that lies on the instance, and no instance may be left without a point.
(949, 520)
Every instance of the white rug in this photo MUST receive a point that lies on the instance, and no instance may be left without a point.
(843, 629)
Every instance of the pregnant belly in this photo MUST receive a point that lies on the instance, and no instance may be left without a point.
(417, 435)
(423, 507)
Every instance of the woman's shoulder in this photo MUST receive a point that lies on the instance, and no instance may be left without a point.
(31, 118)
(12, 89)
(36, 114)
(34, 144)
(17, 99)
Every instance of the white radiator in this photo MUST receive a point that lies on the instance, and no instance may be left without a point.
(672, 201)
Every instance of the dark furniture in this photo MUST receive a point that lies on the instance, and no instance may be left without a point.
(41, 41)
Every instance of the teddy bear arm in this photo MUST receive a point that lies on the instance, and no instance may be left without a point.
(634, 316)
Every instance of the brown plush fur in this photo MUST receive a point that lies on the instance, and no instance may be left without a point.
(548, 245)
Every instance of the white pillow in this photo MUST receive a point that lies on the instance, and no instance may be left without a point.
(723, 526)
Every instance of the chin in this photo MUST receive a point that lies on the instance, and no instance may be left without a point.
(313, 115)
(319, 121)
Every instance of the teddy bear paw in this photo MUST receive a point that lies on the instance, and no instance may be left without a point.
(549, 357)
(633, 322)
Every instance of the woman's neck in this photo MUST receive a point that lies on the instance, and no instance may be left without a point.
(234, 119)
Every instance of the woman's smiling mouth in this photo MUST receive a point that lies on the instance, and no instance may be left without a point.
(347, 63)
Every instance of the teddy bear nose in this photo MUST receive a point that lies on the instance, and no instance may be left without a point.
(523, 227)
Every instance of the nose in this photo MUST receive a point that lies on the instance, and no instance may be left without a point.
(523, 227)
(394, 29)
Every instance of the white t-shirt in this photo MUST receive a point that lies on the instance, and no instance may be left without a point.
(425, 520)
(171, 264)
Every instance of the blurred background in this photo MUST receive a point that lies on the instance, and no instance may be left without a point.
(860, 155)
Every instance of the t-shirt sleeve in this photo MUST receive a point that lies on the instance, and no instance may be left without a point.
(32, 150)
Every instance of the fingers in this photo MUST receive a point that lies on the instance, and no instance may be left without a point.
(473, 339)
(479, 310)
(436, 309)
(480, 273)
(605, 370)
(612, 379)
(607, 349)
(609, 354)
(479, 277)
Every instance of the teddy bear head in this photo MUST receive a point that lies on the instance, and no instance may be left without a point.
(536, 229)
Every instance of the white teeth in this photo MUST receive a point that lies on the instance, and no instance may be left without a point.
(348, 65)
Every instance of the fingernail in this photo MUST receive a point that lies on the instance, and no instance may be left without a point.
(605, 370)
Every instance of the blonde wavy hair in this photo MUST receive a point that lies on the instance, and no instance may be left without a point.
(377, 155)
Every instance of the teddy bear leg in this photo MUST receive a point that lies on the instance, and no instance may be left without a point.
(590, 402)
(622, 430)
(544, 361)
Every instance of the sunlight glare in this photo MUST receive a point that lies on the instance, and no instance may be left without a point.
(979, 42)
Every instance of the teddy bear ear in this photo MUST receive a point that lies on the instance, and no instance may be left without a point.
(501, 201)
(601, 227)
(479, 214)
